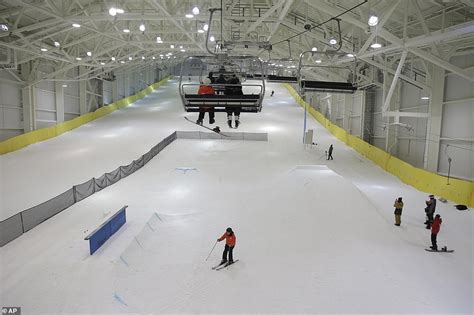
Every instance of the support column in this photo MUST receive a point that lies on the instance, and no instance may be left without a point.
(435, 119)
(390, 135)
(82, 93)
(28, 104)
(59, 97)
(346, 119)
(362, 115)
(115, 96)
(126, 80)
(332, 108)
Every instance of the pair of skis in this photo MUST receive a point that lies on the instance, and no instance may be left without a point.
(224, 265)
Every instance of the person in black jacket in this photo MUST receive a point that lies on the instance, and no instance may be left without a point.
(220, 89)
(330, 152)
(234, 88)
(430, 210)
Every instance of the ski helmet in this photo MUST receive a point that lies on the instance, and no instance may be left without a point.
(229, 230)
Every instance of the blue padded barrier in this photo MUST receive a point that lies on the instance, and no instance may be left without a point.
(100, 235)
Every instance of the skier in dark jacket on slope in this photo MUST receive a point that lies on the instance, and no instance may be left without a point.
(430, 210)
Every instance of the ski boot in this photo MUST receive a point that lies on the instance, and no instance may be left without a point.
(229, 123)
(199, 122)
(237, 123)
(211, 121)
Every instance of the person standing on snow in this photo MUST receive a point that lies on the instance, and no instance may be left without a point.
(435, 227)
(330, 152)
(398, 211)
(430, 210)
(230, 239)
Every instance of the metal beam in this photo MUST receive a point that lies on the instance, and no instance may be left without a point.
(386, 104)
(264, 16)
(283, 13)
(391, 38)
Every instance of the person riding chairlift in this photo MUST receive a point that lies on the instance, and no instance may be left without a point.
(206, 89)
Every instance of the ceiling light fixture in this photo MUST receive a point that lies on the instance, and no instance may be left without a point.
(76, 25)
(171, 46)
(102, 63)
(120, 11)
(333, 41)
(78, 58)
(113, 11)
(142, 27)
(425, 97)
(64, 85)
(4, 27)
(57, 44)
(89, 53)
(205, 27)
(350, 55)
(189, 16)
(153, 57)
(122, 61)
(373, 20)
(183, 50)
(143, 57)
(130, 58)
(318, 61)
(113, 58)
(212, 38)
(376, 45)
(314, 49)
(195, 10)
(44, 49)
(180, 47)
(126, 30)
(200, 31)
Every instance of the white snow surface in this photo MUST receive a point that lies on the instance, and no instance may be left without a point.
(313, 236)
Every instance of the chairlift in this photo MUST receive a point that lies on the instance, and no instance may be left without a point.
(276, 68)
(250, 101)
(327, 61)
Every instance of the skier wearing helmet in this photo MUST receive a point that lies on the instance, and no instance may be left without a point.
(206, 89)
(230, 239)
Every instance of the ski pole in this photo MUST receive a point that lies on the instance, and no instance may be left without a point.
(211, 251)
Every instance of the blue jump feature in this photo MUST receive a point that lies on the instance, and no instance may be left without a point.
(100, 235)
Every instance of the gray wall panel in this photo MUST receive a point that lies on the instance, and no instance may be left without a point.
(10, 229)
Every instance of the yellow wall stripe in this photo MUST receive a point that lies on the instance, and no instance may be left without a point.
(21, 141)
(459, 191)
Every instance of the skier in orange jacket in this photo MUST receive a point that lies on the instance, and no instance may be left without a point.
(230, 239)
(206, 89)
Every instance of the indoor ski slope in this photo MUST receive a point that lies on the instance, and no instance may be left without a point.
(313, 236)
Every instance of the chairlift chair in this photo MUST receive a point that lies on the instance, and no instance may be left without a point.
(193, 102)
(331, 57)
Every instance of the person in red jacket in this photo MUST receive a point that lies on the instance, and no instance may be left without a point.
(435, 227)
(230, 239)
(206, 89)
